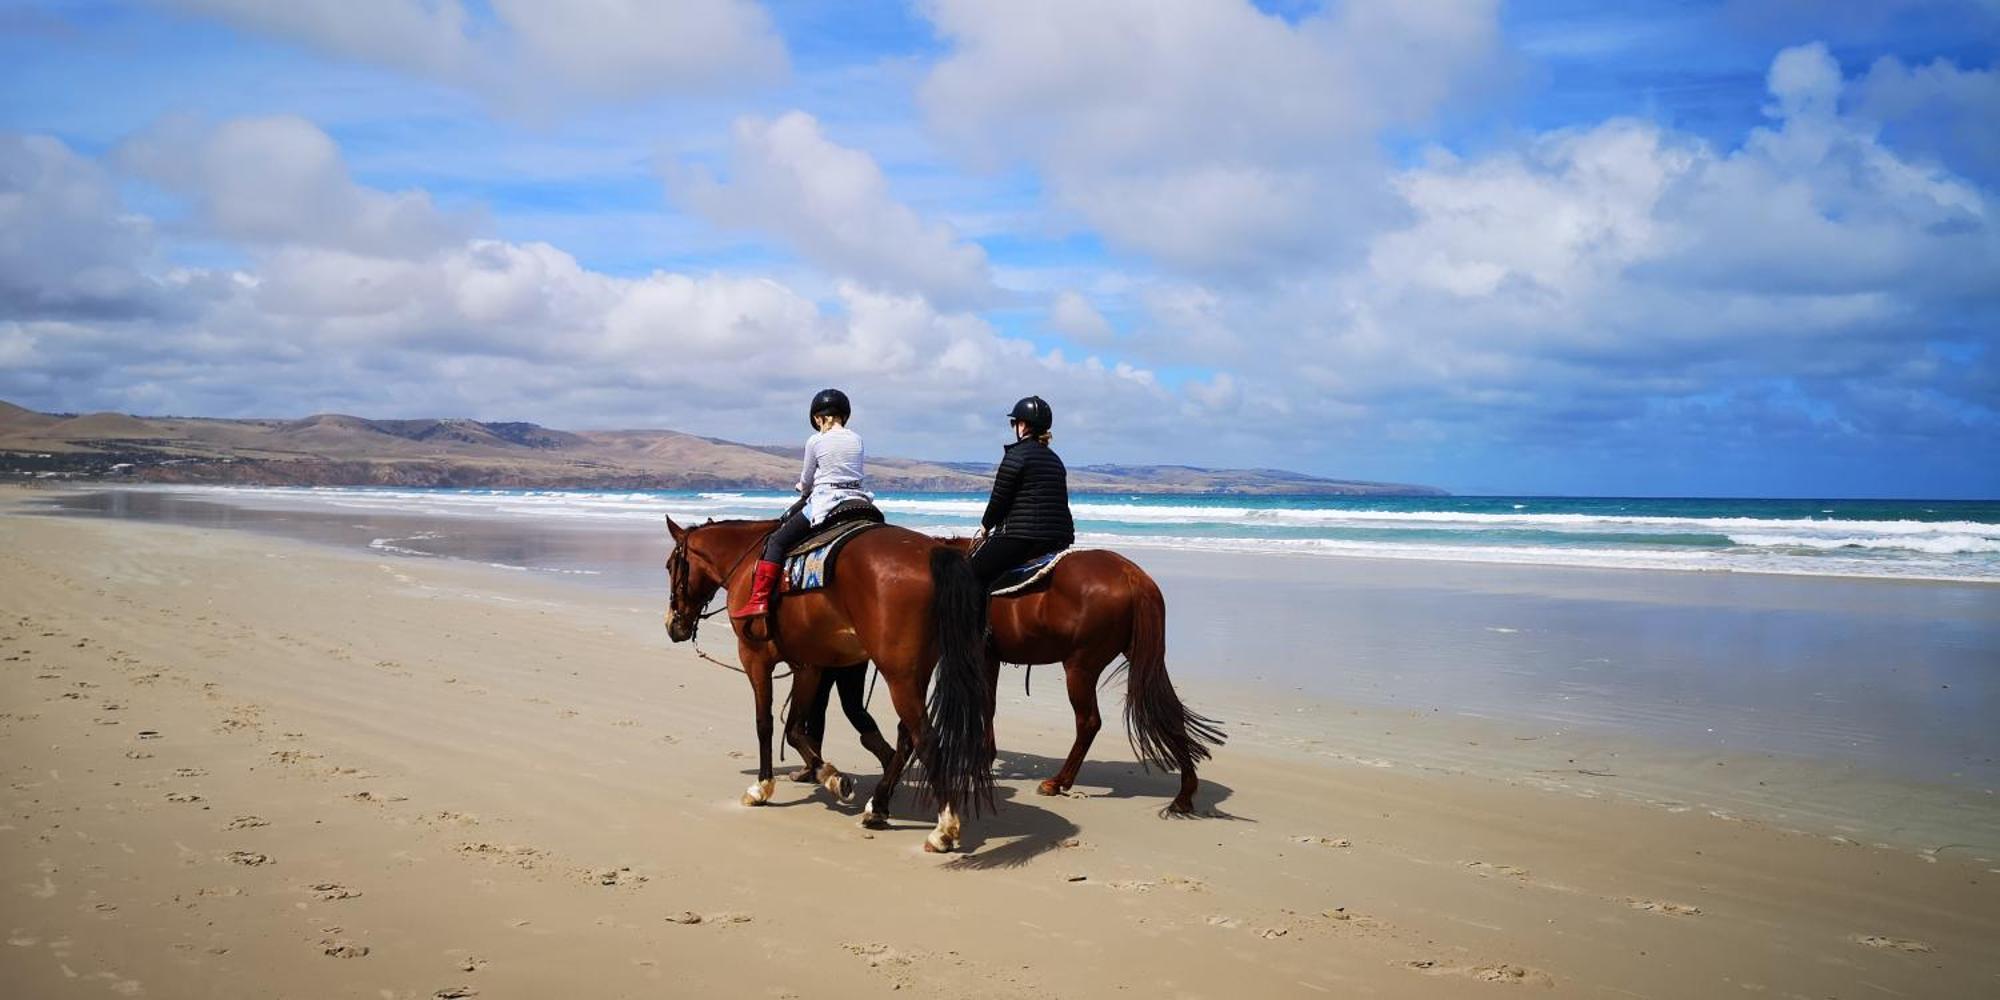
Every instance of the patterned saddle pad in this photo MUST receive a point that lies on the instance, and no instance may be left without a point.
(809, 564)
(1027, 575)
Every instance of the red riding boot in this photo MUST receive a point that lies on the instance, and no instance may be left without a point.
(763, 580)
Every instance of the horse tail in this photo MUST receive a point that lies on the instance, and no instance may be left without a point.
(955, 760)
(1163, 731)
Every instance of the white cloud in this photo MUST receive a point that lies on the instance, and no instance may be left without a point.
(833, 204)
(338, 308)
(1610, 272)
(1074, 317)
(66, 249)
(1207, 134)
(1937, 108)
(531, 53)
(280, 180)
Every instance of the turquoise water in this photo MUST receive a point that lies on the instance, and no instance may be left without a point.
(1911, 539)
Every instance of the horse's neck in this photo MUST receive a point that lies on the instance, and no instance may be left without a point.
(732, 543)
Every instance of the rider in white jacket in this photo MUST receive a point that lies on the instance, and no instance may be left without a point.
(832, 475)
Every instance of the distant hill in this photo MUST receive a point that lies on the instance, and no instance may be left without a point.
(334, 449)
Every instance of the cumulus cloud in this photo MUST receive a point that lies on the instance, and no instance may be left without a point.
(1937, 108)
(1208, 135)
(282, 180)
(833, 204)
(530, 52)
(340, 305)
(1623, 276)
(66, 248)
(1072, 315)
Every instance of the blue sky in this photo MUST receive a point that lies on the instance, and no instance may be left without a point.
(1669, 249)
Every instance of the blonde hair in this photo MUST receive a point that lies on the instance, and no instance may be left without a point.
(1044, 437)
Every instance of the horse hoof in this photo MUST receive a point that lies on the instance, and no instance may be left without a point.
(841, 786)
(874, 821)
(804, 776)
(1048, 787)
(759, 793)
(932, 846)
(1181, 807)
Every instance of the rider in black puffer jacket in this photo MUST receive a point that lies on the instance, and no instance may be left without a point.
(1028, 514)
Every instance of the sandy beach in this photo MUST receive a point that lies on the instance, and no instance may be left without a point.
(239, 765)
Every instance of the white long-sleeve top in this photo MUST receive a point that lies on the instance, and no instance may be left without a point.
(832, 472)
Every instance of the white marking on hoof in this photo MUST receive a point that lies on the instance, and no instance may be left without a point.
(759, 793)
(870, 819)
(937, 843)
(837, 783)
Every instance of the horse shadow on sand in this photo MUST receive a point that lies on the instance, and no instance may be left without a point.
(1023, 826)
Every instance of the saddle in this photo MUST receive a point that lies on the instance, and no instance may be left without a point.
(809, 564)
(1028, 575)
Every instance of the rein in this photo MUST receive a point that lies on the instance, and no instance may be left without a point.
(694, 626)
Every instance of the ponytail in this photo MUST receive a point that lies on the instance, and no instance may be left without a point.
(1045, 437)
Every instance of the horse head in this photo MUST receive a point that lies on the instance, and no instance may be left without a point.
(692, 581)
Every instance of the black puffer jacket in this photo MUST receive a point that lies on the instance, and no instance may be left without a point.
(1031, 495)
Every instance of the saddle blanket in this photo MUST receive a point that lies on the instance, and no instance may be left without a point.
(809, 565)
(1027, 574)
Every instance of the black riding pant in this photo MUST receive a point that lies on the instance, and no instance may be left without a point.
(853, 702)
(999, 553)
(790, 531)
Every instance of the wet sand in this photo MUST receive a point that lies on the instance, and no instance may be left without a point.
(243, 765)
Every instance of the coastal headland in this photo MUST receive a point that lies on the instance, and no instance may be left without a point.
(331, 449)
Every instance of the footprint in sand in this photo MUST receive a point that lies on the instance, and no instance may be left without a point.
(1503, 972)
(1890, 943)
(1488, 869)
(343, 949)
(886, 960)
(616, 876)
(1326, 841)
(183, 797)
(519, 855)
(249, 858)
(333, 890)
(1656, 906)
(247, 823)
(455, 993)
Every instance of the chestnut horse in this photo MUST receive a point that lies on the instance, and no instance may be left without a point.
(1093, 606)
(898, 598)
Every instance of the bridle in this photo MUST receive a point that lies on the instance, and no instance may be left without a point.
(679, 577)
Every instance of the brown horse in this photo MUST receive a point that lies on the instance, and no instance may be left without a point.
(898, 598)
(1093, 606)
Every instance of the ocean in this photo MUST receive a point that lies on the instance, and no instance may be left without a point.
(1947, 540)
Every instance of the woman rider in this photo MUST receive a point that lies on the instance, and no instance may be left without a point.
(831, 476)
(1028, 514)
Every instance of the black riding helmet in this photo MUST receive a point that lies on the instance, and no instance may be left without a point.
(829, 401)
(1034, 411)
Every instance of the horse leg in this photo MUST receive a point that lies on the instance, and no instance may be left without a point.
(909, 702)
(757, 665)
(813, 715)
(1080, 674)
(876, 815)
(992, 703)
(944, 838)
(798, 732)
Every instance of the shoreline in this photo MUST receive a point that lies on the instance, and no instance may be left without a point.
(1413, 629)
(525, 779)
(1824, 564)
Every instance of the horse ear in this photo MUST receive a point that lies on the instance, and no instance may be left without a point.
(674, 529)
